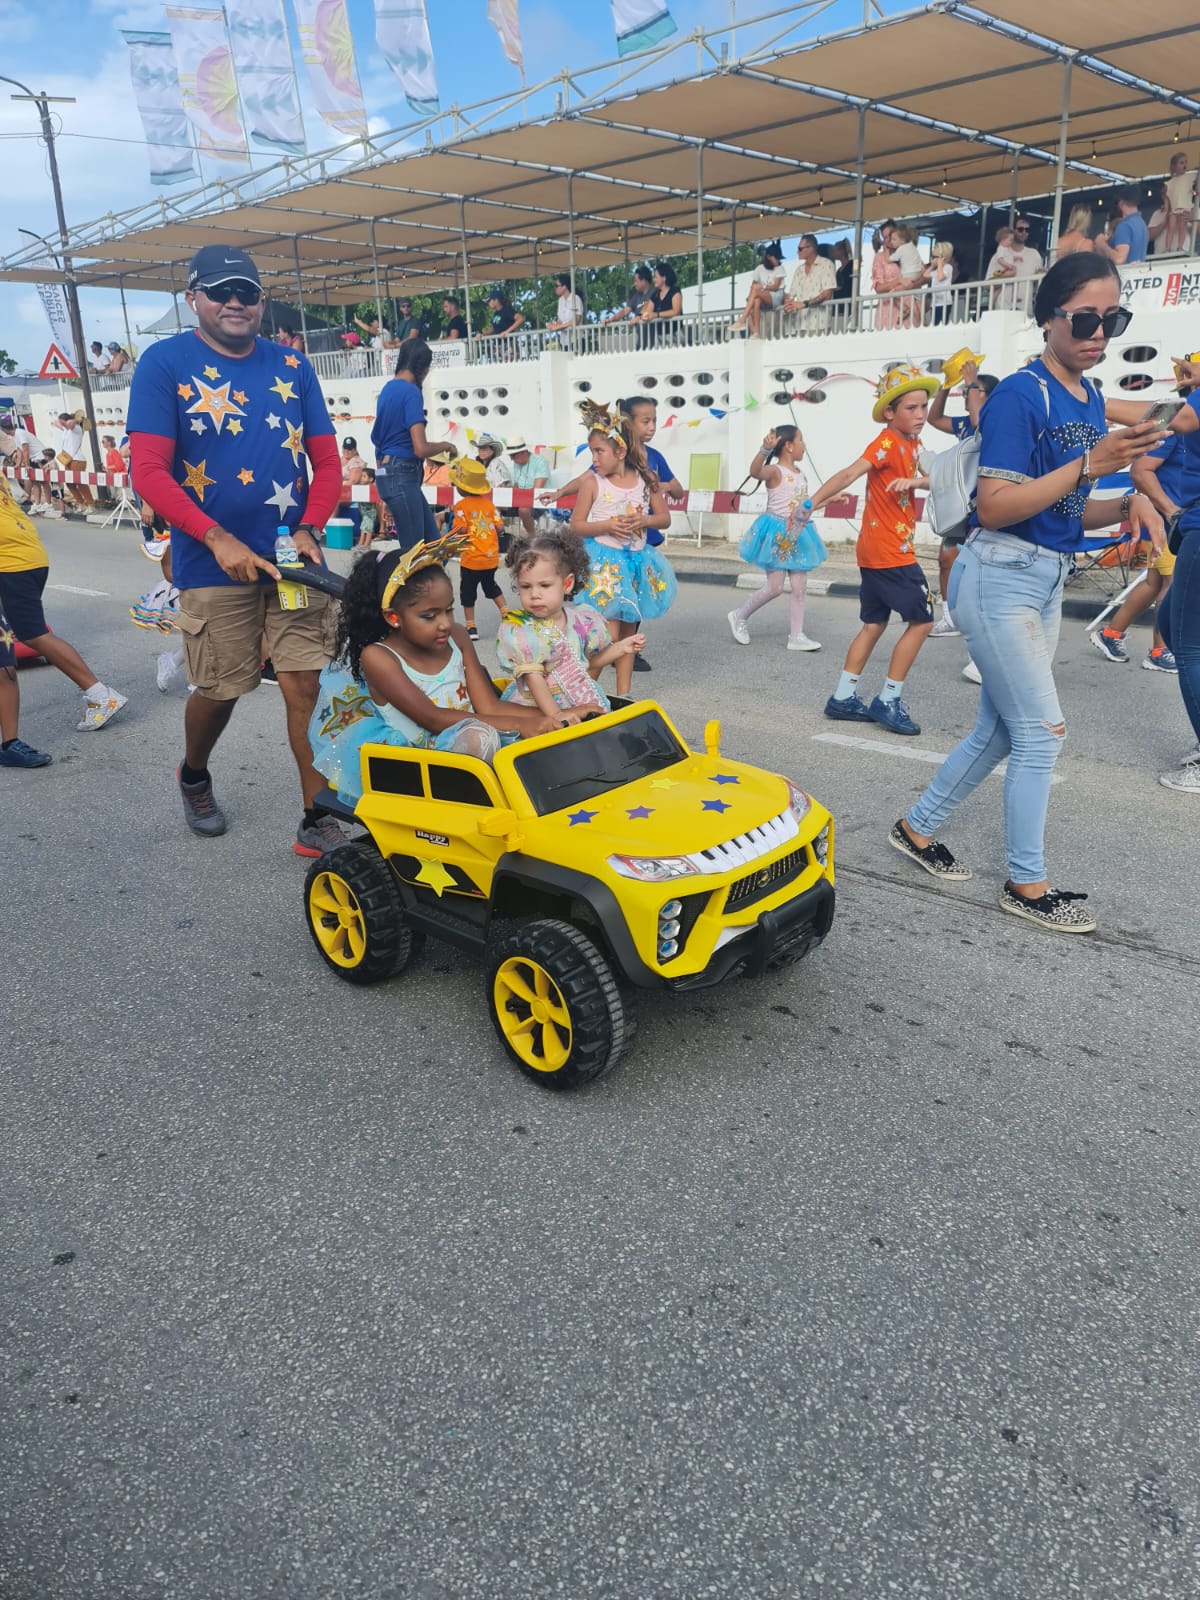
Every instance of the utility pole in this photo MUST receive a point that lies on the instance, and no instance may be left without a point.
(43, 102)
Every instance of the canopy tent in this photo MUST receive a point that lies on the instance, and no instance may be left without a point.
(946, 106)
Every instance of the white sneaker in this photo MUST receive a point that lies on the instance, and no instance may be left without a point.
(34, 508)
(944, 628)
(1185, 779)
(1192, 755)
(971, 673)
(97, 712)
(166, 670)
(801, 641)
(738, 628)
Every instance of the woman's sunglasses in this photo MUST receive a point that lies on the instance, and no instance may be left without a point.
(246, 294)
(1085, 323)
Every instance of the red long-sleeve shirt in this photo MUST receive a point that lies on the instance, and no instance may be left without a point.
(152, 462)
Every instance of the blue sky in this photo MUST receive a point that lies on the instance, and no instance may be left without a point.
(73, 47)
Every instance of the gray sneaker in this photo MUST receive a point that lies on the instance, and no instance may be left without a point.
(318, 840)
(1185, 779)
(1055, 910)
(200, 809)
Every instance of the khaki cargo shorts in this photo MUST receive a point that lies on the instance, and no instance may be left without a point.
(228, 630)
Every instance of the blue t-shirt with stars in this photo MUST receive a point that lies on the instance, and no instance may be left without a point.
(1020, 442)
(239, 426)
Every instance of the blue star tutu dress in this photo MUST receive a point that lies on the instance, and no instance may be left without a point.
(630, 581)
(782, 538)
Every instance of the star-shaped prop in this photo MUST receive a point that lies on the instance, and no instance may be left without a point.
(435, 875)
(580, 816)
(714, 805)
(214, 403)
(197, 480)
(347, 709)
(283, 499)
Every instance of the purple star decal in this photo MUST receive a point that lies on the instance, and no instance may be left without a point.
(581, 816)
(638, 811)
(714, 805)
(726, 777)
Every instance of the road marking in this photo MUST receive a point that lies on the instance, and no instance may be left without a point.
(70, 588)
(907, 752)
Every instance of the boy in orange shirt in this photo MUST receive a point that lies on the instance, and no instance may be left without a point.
(477, 520)
(890, 577)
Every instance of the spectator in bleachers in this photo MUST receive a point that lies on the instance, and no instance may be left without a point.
(940, 275)
(1078, 233)
(907, 258)
(505, 317)
(1181, 201)
(813, 283)
(1156, 225)
(643, 285)
(570, 305)
(766, 288)
(456, 323)
(1129, 241)
(665, 302)
(843, 262)
(885, 278)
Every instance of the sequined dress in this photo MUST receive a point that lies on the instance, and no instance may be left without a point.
(629, 582)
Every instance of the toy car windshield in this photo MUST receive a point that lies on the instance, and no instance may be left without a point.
(570, 773)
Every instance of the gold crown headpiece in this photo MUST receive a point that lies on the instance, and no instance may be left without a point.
(903, 372)
(433, 553)
(599, 419)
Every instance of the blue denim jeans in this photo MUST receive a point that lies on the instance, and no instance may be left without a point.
(1183, 619)
(1006, 596)
(399, 485)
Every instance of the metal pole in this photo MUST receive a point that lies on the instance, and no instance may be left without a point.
(571, 231)
(70, 288)
(733, 259)
(1012, 193)
(462, 233)
(300, 289)
(700, 233)
(1061, 166)
(125, 314)
(859, 201)
(378, 296)
(175, 296)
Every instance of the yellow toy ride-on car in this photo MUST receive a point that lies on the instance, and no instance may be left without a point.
(601, 856)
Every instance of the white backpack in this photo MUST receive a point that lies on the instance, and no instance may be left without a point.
(954, 480)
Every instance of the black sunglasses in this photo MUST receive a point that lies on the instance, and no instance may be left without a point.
(1085, 323)
(247, 294)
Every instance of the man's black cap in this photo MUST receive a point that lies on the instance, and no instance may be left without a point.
(220, 263)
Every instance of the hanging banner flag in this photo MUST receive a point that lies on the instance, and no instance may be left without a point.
(266, 74)
(54, 301)
(402, 34)
(327, 46)
(208, 81)
(641, 23)
(502, 14)
(157, 95)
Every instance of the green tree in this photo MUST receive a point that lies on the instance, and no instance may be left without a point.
(7, 364)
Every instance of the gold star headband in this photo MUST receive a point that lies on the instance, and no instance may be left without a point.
(434, 553)
(599, 419)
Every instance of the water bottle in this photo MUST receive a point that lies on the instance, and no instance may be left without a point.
(292, 596)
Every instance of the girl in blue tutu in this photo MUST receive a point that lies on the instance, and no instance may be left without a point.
(630, 582)
(406, 673)
(782, 539)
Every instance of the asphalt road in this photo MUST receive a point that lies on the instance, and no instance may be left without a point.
(872, 1279)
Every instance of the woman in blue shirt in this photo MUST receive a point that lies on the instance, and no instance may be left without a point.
(401, 446)
(1043, 447)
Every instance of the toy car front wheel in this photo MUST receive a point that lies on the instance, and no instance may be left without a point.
(356, 916)
(555, 1003)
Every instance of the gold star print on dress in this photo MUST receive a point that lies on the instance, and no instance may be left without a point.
(197, 479)
(214, 403)
(605, 582)
(347, 709)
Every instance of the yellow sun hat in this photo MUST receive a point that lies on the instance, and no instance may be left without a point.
(952, 367)
(469, 476)
(899, 381)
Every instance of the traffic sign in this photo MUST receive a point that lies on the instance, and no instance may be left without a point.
(56, 365)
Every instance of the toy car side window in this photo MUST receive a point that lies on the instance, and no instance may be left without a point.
(395, 775)
(457, 784)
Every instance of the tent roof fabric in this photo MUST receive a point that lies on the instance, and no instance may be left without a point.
(958, 106)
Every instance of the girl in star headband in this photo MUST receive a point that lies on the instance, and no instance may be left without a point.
(617, 502)
(405, 671)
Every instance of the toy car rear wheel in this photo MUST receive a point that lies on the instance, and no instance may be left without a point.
(555, 1003)
(356, 916)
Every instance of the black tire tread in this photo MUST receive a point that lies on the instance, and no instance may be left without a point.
(390, 941)
(600, 1025)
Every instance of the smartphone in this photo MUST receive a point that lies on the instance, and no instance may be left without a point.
(1162, 412)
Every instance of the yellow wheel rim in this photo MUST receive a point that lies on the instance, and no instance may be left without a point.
(533, 1015)
(337, 920)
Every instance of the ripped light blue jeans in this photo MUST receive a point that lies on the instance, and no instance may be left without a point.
(1006, 596)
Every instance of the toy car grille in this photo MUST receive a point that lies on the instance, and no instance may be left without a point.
(745, 847)
(757, 885)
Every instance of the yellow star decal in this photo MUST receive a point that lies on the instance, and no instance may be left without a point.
(283, 390)
(214, 403)
(663, 783)
(435, 875)
(291, 361)
(239, 397)
(347, 709)
(197, 479)
(294, 442)
(185, 391)
(211, 372)
(246, 477)
(7, 639)
(234, 425)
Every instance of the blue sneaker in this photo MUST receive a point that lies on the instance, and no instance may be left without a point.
(893, 715)
(849, 710)
(19, 754)
(1160, 661)
(1110, 645)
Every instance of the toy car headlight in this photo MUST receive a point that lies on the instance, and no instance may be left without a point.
(799, 803)
(652, 869)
